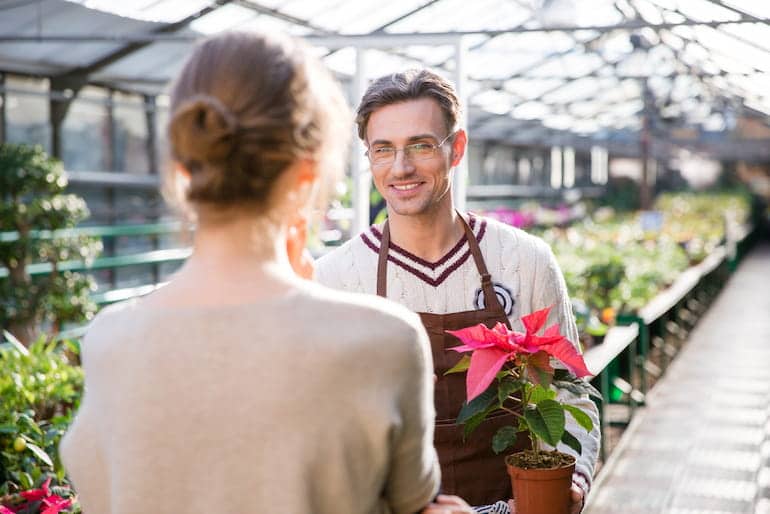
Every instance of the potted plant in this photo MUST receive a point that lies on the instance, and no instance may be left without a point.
(35, 215)
(512, 371)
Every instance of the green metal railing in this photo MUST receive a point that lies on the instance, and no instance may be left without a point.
(623, 365)
(150, 257)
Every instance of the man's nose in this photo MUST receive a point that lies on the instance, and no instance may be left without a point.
(401, 164)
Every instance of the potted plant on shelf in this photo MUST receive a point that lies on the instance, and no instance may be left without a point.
(512, 371)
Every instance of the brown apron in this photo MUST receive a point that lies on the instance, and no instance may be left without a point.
(469, 467)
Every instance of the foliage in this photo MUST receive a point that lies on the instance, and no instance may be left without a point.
(612, 264)
(511, 371)
(40, 390)
(44, 499)
(35, 208)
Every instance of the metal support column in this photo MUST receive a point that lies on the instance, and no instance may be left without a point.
(359, 165)
(460, 179)
(2, 109)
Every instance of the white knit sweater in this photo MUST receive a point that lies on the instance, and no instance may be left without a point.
(525, 275)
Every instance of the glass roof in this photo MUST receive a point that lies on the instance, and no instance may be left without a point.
(542, 69)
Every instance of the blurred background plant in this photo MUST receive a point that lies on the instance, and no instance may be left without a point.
(40, 390)
(35, 214)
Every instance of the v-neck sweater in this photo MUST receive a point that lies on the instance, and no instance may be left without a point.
(525, 276)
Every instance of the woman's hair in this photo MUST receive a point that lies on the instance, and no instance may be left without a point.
(405, 86)
(244, 108)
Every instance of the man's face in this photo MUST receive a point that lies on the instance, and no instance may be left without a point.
(411, 186)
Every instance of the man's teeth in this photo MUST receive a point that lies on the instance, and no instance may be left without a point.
(406, 187)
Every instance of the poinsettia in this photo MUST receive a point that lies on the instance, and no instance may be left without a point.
(41, 500)
(493, 347)
(509, 369)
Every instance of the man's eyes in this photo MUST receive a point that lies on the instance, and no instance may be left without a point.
(383, 150)
(421, 147)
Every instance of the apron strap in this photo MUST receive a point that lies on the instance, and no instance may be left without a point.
(490, 297)
(382, 263)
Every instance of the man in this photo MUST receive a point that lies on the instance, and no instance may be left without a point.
(455, 269)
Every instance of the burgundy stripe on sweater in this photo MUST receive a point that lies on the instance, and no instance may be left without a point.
(416, 272)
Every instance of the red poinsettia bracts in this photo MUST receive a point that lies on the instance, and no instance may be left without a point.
(493, 347)
(49, 503)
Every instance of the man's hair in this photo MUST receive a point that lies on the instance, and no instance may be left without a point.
(405, 86)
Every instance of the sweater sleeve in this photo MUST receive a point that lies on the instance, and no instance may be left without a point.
(415, 474)
(553, 291)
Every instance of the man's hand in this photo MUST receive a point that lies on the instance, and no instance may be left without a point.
(576, 495)
(299, 258)
(448, 504)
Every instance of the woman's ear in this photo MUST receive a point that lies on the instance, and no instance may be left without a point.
(304, 178)
(179, 169)
(181, 180)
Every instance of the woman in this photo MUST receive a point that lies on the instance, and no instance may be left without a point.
(238, 387)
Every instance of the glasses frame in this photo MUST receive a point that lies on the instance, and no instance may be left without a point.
(435, 147)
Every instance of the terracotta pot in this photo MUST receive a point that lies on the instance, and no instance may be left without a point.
(541, 491)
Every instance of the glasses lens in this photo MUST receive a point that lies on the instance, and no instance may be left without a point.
(420, 151)
(382, 155)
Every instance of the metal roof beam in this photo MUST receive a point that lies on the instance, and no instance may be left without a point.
(382, 40)
(404, 16)
(743, 40)
(275, 13)
(138, 45)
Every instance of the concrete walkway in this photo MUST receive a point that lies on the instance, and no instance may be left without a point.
(702, 443)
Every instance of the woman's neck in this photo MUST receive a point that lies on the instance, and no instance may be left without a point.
(233, 262)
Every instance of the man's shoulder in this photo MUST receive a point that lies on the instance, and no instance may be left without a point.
(357, 253)
(369, 238)
(508, 235)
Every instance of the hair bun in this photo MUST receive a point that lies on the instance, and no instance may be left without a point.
(202, 130)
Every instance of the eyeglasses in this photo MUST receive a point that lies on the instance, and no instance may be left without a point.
(386, 155)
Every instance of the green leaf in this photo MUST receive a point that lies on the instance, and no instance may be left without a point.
(40, 454)
(26, 421)
(23, 479)
(478, 404)
(581, 417)
(540, 393)
(461, 366)
(8, 429)
(503, 438)
(474, 421)
(546, 421)
(571, 441)
(579, 387)
(506, 389)
(15, 343)
(542, 376)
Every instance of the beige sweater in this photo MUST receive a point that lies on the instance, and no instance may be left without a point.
(319, 402)
(526, 278)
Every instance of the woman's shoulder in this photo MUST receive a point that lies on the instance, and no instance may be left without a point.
(359, 306)
(109, 327)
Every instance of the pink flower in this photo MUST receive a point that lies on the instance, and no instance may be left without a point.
(54, 504)
(492, 348)
(49, 503)
(37, 494)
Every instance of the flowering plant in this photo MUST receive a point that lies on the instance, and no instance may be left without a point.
(44, 500)
(511, 371)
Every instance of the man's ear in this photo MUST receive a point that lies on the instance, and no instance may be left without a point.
(459, 144)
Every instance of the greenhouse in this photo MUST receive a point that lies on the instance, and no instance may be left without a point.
(573, 195)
